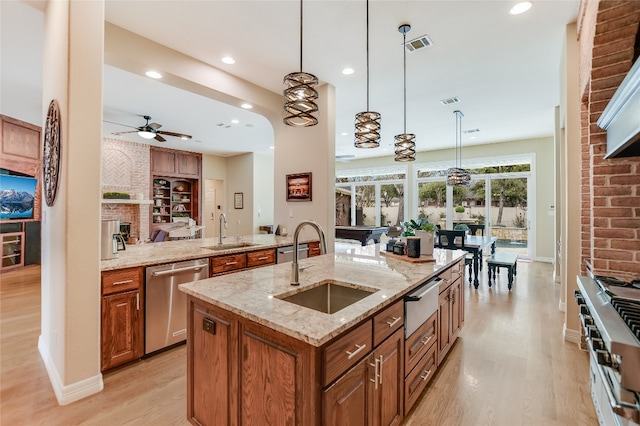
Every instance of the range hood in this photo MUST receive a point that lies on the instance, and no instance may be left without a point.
(621, 117)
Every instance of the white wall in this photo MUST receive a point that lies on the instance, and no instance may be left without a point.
(70, 333)
(263, 191)
(240, 172)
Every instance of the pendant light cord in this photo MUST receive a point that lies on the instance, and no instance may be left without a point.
(300, 35)
(404, 51)
(367, 55)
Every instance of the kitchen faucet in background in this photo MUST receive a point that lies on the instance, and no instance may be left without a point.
(323, 247)
(222, 218)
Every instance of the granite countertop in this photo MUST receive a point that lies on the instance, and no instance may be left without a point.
(148, 254)
(254, 294)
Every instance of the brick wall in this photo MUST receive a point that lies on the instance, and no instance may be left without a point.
(126, 168)
(610, 206)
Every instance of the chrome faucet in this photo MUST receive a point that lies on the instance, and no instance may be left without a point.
(222, 218)
(323, 247)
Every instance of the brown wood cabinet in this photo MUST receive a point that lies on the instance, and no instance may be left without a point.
(314, 248)
(420, 355)
(175, 163)
(122, 326)
(12, 250)
(450, 311)
(174, 198)
(236, 262)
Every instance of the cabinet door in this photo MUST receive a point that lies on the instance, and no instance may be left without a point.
(121, 329)
(349, 400)
(12, 250)
(444, 324)
(389, 388)
(210, 377)
(455, 309)
(163, 161)
(188, 164)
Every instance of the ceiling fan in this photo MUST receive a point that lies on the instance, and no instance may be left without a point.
(150, 131)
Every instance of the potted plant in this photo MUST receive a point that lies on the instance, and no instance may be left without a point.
(459, 210)
(423, 229)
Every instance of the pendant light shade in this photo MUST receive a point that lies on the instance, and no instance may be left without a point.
(457, 176)
(300, 94)
(367, 134)
(405, 144)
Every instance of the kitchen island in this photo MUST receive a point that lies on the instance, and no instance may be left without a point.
(255, 358)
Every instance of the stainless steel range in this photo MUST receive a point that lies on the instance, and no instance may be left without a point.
(610, 317)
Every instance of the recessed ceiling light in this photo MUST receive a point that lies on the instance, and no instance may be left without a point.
(521, 7)
(246, 106)
(228, 60)
(272, 147)
(235, 121)
(153, 74)
(348, 71)
(344, 133)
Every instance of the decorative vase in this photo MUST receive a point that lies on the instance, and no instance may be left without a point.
(426, 242)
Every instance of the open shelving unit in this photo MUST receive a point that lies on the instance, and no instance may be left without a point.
(172, 198)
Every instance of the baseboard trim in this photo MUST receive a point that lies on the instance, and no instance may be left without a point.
(69, 393)
(562, 306)
(544, 259)
(572, 336)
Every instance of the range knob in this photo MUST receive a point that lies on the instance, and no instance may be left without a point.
(604, 357)
(578, 296)
(584, 310)
(586, 320)
(592, 332)
(597, 344)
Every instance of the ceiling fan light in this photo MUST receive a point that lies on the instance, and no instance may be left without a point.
(146, 134)
(405, 147)
(367, 134)
(521, 7)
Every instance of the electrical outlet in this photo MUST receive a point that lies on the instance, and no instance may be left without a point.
(209, 326)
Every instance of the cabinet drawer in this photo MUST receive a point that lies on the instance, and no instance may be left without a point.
(388, 321)
(314, 248)
(418, 378)
(345, 352)
(121, 280)
(447, 279)
(457, 271)
(228, 263)
(420, 342)
(261, 257)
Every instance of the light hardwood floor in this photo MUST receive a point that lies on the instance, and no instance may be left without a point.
(510, 366)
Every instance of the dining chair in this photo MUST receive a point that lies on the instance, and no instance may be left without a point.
(454, 239)
(473, 229)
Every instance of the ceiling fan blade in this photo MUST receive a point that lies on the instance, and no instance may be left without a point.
(119, 124)
(160, 138)
(154, 126)
(177, 135)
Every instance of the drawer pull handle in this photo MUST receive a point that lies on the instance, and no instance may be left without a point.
(230, 263)
(424, 342)
(263, 258)
(426, 375)
(359, 349)
(394, 321)
(138, 301)
(123, 282)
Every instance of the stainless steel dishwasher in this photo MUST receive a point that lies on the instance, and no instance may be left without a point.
(166, 305)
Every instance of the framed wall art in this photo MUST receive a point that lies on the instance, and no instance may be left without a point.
(299, 187)
(237, 200)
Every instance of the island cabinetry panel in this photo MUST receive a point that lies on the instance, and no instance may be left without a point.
(420, 354)
(450, 314)
(229, 263)
(211, 381)
(122, 318)
(276, 378)
(370, 393)
(346, 351)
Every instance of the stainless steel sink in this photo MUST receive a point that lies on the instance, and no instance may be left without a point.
(229, 246)
(328, 296)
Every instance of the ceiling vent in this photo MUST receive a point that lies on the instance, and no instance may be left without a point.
(450, 101)
(418, 43)
(471, 131)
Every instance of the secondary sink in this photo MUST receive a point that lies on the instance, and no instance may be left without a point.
(229, 246)
(328, 297)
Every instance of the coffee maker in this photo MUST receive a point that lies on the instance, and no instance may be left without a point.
(110, 239)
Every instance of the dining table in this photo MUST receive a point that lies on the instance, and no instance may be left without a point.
(475, 244)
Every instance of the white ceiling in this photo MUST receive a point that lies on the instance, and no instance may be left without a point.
(505, 69)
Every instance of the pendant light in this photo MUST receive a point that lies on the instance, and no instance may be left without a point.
(300, 94)
(405, 145)
(457, 176)
(367, 134)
